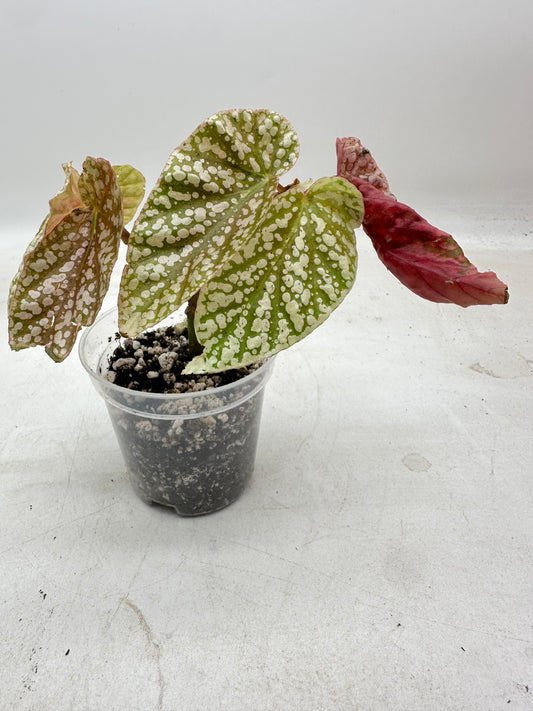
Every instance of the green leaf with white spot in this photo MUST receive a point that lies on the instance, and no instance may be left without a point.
(209, 199)
(285, 281)
(65, 272)
(132, 184)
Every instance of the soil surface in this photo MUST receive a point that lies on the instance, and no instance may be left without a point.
(153, 362)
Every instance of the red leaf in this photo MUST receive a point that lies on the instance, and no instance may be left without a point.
(425, 259)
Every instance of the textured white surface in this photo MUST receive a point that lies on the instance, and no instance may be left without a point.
(381, 558)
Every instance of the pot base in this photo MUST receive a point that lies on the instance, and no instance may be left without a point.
(183, 514)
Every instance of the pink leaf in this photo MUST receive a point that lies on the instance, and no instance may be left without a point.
(425, 259)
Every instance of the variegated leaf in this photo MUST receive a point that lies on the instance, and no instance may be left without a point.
(285, 281)
(65, 272)
(132, 184)
(211, 195)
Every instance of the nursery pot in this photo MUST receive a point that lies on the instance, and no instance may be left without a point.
(194, 452)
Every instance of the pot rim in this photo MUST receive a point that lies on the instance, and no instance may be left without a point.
(262, 373)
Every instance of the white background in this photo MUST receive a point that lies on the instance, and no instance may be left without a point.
(381, 558)
(441, 92)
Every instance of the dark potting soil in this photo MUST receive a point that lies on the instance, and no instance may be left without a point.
(154, 361)
(195, 464)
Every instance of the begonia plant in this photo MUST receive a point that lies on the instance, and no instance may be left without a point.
(258, 265)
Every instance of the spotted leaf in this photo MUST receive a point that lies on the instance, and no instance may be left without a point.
(65, 272)
(211, 195)
(285, 281)
(132, 185)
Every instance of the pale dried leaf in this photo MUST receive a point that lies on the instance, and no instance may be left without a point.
(66, 201)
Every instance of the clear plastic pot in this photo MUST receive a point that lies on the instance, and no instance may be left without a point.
(193, 451)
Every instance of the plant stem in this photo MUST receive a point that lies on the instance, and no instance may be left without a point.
(195, 347)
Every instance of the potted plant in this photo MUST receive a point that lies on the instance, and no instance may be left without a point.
(257, 267)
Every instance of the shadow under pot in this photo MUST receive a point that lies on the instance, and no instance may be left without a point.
(194, 451)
